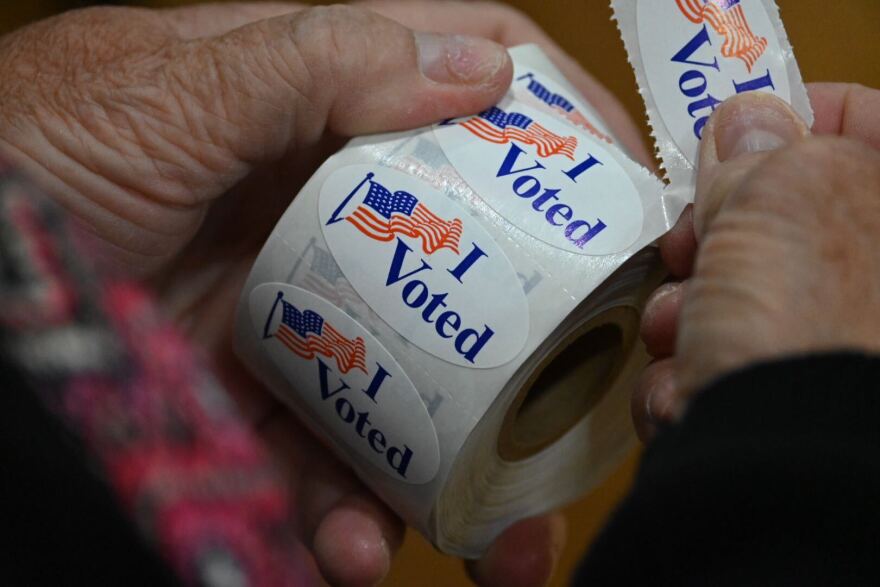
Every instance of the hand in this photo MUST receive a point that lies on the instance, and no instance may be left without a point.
(177, 138)
(785, 231)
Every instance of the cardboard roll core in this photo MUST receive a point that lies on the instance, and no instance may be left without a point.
(574, 378)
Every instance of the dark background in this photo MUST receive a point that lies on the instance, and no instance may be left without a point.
(834, 41)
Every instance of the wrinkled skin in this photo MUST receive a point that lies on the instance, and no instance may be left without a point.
(176, 139)
(779, 256)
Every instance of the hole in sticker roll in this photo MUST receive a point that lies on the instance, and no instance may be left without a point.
(572, 381)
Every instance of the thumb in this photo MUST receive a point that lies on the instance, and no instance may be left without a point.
(281, 83)
(738, 137)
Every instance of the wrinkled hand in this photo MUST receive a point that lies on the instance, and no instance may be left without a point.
(177, 138)
(781, 252)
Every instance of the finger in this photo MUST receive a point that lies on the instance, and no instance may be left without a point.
(277, 84)
(510, 27)
(525, 555)
(678, 247)
(351, 533)
(656, 399)
(660, 320)
(356, 541)
(849, 110)
(736, 139)
(497, 22)
(211, 20)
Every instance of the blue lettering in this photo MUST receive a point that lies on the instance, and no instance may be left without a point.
(582, 167)
(560, 211)
(394, 272)
(416, 293)
(376, 437)
(510, 160)
(343, 405)
(437, 300)
(398, 458)
(467, 262)
(529, 192)
(765, 81)
(689, 89)
(687, 52)
(470, 342)
(693, 83)
(323, 370)
(589, 234)
(709, 102)
(556, 214)
(421, 291)
(450, 319)
(363, 418)
(544, 198)
(376, 382)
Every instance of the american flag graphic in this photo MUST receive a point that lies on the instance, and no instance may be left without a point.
(324, 278)
(384, 214)
(563, 108)
(729, 21)
(497, 126)
(307, 334)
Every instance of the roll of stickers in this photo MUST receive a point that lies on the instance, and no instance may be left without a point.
(455, 309)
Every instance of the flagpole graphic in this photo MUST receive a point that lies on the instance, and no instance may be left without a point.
(307, 334)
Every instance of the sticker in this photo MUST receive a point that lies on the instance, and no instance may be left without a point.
(698, 53)
(354, 386)
(542, 93)
(555, 183)
(424, 265)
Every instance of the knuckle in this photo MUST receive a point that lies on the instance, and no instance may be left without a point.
(328, 39)
(822, 185)
(860, 98)
(794, 173)
(825, 165)
(333, 28)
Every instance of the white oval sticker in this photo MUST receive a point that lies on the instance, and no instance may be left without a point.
(349, 380)
(698, 53)
(424, 265)
(557, 184)
(537, 90)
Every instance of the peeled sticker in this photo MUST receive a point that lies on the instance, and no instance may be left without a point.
(419, 260)
(355, 388)
(691, 55)
(546, 178)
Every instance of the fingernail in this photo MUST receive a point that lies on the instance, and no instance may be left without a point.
(657, 297)
(458, 59)
(660, 403)
(753, 123)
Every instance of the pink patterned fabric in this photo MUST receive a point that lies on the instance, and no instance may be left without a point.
(188, 469)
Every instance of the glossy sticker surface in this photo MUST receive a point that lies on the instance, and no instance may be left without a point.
(698, 53)
(347, 378)
(545, 177)
(424, 265)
